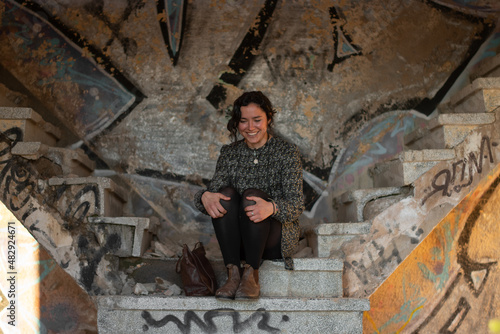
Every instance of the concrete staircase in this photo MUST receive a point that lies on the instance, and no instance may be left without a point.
(306, 299)
(89, 212)
(443, 156)
(76, 216)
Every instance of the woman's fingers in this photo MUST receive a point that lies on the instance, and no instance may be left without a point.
(211, 202)
(260, 210)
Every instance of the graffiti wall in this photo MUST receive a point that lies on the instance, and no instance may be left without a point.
(84, 94)
(449, 283)
(36, 295)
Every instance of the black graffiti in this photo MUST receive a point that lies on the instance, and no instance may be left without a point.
(34, 227)
(19, 185)
(467, 265)
(457, 317)
(208, 326)
(450, 180)
(94, 256)
(82, 209)
(165, 29)
(244, 55)
(343, 46)
(16, 179)
(384, 258)
(96, 7)
(129, 45)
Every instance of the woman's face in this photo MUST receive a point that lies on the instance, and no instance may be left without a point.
(253, 125)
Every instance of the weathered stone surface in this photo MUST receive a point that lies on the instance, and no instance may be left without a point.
(409, 166)
(482, 95)
(446, 130)
(32, 125)
(140, 289)
(73, 162)
(106, 196)
(352, 203)
(398, 230)
(135, 314)
(489, 67)
(326, 239)
(132, 232)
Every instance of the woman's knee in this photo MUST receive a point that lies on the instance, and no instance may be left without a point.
(233, 194)
(228, 191)
(252, 192)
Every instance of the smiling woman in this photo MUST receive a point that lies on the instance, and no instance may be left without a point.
(253, 126)
(255, 197)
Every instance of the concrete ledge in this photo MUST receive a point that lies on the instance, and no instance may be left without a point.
(343, 228)
(479, 97)
(31, 123)
(153, 302)
(72, 162)
(352, 203)
(152, 314)
(447, 130)
(107, 197)
(489, 67)
(327, 239)
(427, 155)
(398, 173)
(276, 281)
(462, 119)
(135, 239)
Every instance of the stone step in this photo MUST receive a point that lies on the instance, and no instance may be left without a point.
(131, 234)
(72, 162)
(351, 204)
(482, 95)
(274, 279)
(409, 166)
(489, 67)
(327, 239)
(98, 196)
(162, 314)
(326, 274)
(33, 127)
(446, 130)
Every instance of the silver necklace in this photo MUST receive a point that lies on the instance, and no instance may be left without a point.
(255, 160)
(255, 157)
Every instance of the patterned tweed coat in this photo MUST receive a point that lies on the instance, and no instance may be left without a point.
(278, 173)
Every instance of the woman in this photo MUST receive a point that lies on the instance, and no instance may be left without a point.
(255, 197)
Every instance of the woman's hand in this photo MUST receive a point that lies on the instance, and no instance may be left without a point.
(260, 210)
(211, 202)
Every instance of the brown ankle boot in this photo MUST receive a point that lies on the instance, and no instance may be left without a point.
(249, 286)
(228, 290)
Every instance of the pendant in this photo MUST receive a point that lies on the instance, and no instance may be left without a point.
(255, 161)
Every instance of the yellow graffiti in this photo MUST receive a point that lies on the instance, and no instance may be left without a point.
(409, 319)
(372, 322)
(399, 330)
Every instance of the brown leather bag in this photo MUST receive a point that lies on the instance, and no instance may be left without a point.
(197, 274)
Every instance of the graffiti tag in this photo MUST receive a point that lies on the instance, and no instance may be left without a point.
(208, 326)
(453, 179)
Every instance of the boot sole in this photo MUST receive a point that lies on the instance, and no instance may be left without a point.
(224, 298)
(246, 298)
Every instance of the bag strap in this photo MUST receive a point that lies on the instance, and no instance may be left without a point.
(185, 249)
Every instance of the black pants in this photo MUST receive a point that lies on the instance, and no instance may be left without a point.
(241, 239)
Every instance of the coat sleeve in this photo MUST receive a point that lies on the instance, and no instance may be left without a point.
(290, 199)
(219, 180)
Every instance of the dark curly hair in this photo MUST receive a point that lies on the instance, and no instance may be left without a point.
(256, 97)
